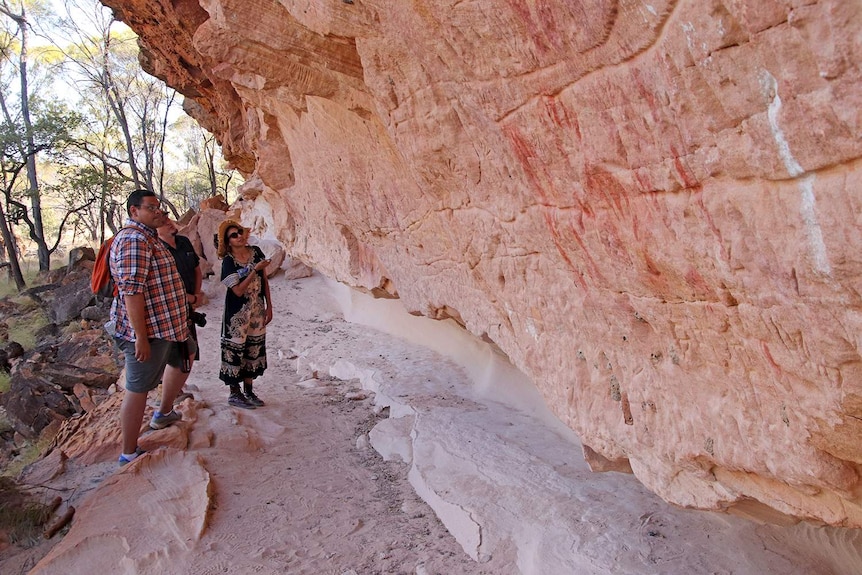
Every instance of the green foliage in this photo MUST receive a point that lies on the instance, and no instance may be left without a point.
(5, 382)
(7, 287)
(53, 128)
(101, 128)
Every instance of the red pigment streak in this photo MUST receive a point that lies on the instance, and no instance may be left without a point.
(526, 155)
(643, 181)
(522, 11)
(646, 94)
(698, 197)
(696, 281)
(601, 183)
(687, 178)
(594, 268)
(544, 10)
(559, 114)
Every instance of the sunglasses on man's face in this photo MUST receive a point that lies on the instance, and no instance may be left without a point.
(234, 235)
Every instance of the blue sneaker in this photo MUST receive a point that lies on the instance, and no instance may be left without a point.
(161, 421)
(124, 461)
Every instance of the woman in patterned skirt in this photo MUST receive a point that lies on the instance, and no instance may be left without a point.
(247, 311)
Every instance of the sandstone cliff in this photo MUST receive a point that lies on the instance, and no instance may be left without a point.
(651, 207)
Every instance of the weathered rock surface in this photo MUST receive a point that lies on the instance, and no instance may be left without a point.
(166, 497)
(56, 381)
(71, 365)
(651, 208)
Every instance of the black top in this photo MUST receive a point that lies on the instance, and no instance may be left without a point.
(187, 260)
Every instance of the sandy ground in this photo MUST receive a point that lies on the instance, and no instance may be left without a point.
(295, 487)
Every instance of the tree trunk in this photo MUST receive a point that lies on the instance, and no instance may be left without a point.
(103, 200)
(115, 100)
(11, 252)
(38, 234)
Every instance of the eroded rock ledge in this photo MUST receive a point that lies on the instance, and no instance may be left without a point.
(651, 207)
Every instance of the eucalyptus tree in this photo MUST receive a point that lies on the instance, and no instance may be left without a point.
(119, 145)
(201, 173)
(127, 109)
(33, 130)
(17, 25)
(50, 133)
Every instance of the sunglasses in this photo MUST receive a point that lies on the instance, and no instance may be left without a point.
(234, 235)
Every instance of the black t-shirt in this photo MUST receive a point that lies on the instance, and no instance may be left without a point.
(187, 260)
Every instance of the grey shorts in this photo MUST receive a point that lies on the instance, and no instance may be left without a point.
(141, 377)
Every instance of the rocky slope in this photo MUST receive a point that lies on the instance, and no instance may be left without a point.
(651, 207)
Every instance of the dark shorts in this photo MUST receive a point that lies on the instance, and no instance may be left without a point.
(175, 354)
(142, 377)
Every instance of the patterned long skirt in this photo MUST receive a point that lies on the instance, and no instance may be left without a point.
(243, 342)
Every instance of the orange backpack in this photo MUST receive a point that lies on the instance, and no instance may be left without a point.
(101, 281)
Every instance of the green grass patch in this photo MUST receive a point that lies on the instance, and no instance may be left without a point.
(5, 383)
(20, 515)
(31, 274)
(7, 288)
(7, 284)
(23, 328)
(23, 303)
(71, 328)
(27, 455)
(5, 424)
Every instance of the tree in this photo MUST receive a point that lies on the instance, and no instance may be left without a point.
(68, 162)
(29, 127)
(203, 175)
(50, 132)
(129, 109)
(29, 149)
(9, 171)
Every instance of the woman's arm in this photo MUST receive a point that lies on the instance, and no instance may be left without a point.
(239, 289)
(234, 277)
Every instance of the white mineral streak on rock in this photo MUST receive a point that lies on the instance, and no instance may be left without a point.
(808, 205)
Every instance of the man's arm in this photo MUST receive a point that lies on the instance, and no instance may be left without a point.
(137, 313)
(199, 278)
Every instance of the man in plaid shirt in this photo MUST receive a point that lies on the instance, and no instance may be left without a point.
(151, 317)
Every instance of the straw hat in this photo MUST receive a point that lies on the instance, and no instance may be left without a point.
(223, 244)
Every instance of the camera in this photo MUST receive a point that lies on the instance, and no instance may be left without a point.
(198, 318)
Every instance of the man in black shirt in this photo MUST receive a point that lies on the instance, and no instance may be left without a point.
(188, 265)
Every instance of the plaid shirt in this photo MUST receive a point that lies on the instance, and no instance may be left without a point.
(140, 263)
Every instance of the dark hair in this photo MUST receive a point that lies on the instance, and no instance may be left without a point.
(136, 198)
